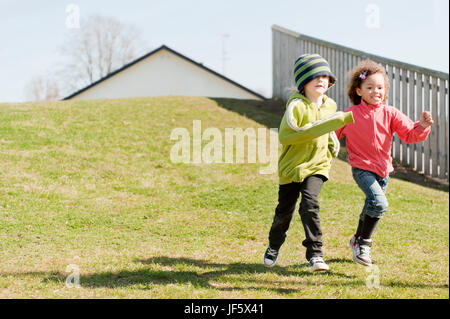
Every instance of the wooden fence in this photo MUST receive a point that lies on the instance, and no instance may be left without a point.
(413, 89)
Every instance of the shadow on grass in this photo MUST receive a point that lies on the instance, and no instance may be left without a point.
(215, 276)
(268, 113)
(207, 275)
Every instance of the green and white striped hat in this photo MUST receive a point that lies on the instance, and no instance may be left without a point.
(309, 66)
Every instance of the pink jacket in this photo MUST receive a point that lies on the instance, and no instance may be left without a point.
(369, 138)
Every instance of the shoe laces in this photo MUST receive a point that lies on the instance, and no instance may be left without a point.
(364, 250)
(314, 260)
(272, 252)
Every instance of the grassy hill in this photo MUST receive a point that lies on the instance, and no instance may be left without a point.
(89, 185)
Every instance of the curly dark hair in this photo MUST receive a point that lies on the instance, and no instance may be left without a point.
(366, 67)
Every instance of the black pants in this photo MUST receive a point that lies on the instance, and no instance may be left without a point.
(309, 212)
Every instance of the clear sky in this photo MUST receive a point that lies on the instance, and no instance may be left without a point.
(413, 31)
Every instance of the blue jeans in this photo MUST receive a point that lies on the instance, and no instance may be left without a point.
(374, 187)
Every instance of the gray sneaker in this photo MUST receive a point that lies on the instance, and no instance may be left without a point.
(270, 257)
(317, 264)
(361, 252)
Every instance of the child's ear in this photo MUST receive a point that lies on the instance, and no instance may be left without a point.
(358, 91)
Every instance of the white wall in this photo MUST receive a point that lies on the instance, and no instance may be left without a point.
(164, 73)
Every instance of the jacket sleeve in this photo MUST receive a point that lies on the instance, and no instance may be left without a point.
(333, 144)
(292, 133)
(340, 133)
(407, 130)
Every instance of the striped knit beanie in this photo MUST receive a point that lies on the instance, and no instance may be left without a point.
(309, 66)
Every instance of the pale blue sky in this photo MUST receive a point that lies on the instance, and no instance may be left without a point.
(415, 32)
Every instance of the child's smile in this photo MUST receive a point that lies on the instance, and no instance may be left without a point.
(372, 90)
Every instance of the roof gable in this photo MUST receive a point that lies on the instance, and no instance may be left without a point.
(153, 53)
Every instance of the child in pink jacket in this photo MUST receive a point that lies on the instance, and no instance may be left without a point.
(368, 142)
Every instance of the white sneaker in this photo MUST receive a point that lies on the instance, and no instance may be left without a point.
(363, 252)
(317, 264)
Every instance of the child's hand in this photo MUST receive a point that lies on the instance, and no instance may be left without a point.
(426, 120)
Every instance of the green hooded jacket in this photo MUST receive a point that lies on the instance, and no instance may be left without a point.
(307, 137)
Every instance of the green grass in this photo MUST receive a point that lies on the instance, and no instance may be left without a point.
(91, 183)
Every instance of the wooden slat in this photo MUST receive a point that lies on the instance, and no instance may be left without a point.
(390, 99)
(339, 93)
(293, 55)
(344, 70)
(419, 110)
(345, 79)
(300, 47)
(331, 60)
(330, 91)
(329, 56)
(411, 113)
(336, 73)
(404, 109)
(426, 144)
(284, 67)
(442, 134)
(341, 82)
(291, 46)
(397, 104)
(391, 85)
(434, 129)
(447, 111)
(280, 66)
(275, 64)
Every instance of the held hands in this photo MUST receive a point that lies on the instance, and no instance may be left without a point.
(426, 120)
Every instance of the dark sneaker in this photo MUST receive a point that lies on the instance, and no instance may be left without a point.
(362, 249)
(270, 257)
(317, 264)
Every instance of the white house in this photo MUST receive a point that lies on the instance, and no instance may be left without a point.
(164, 72)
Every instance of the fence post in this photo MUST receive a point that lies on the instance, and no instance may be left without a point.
(434, 128)
(419, 110)
(412, 114)
(442, 134)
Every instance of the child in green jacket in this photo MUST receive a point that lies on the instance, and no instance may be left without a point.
(308, 144)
